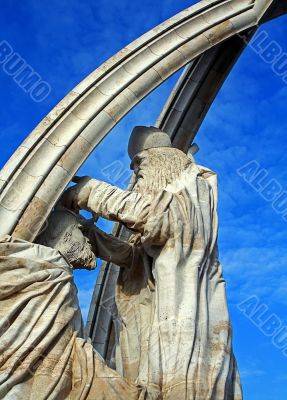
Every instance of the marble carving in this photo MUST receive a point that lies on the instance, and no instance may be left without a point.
(174, 337)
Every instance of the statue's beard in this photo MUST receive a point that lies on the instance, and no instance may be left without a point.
(157, 168)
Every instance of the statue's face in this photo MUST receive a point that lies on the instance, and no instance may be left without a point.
(144, 174)
(77, 249)
(65, 234)
(139, 166)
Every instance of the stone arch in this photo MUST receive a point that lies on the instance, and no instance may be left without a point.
(181, 118)
(47, 160)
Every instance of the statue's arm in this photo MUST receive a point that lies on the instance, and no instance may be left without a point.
(144, 214)
(109, 202)
(112, 249)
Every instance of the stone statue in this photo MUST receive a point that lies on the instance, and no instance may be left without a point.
(173, 327)
(174, 336)
(45, 353)
(175, 332)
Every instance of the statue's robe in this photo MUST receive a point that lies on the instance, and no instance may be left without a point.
(43, 350)
(175, 334)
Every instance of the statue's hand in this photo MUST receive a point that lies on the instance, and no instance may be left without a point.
(77, 197)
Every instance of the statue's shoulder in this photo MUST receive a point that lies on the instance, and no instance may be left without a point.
(190, 178)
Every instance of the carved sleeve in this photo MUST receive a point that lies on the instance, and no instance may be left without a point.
(129, 208)
(145, 214)
(112, 249)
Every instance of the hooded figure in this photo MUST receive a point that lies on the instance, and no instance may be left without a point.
(175, 334)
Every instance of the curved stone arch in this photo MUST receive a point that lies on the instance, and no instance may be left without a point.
(181, 117)
(55, 150)
(199, 84)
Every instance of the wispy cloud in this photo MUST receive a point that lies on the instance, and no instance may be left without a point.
(66, 40)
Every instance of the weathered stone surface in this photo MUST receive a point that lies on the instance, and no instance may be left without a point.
(44, 352)
(116, 87)
(123, 81)
(173, 328)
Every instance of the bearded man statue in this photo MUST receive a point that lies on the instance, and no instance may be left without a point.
(175, 335)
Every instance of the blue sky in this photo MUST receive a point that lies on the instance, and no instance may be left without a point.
(64, 41)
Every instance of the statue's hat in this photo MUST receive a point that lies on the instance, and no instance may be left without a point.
(144, 138)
